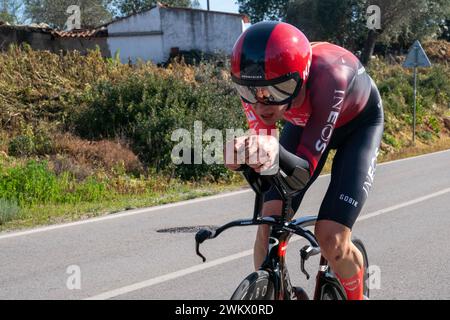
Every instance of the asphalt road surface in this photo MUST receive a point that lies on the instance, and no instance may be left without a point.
(405, 225)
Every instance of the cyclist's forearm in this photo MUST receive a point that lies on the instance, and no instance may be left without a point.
(296, 168)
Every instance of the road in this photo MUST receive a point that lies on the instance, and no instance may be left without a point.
(404, 224)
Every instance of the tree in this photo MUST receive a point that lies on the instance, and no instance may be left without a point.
(445, 30)
(259, 10)
(54, 12)
(405, 21)
(128, 7)
(9, 11)
(345, 22)
(338, 21)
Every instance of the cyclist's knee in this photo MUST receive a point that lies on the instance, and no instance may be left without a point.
(262, 231)
(272, 208)
(334, 240)
(261, 245)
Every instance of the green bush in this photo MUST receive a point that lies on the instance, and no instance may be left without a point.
(42, 142)
(21, 146)
(9, 210)
(436, 84)
(89, 190)
(148, 108)
(31, 141)
(33, 183)
(433, 122)
(29, 184)
(391, 140)
(425, 135)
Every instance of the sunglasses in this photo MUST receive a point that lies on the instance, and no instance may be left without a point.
(277, 91)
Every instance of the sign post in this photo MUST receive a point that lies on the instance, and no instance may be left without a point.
(416, 58)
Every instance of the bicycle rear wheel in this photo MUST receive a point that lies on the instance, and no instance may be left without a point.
(257, 286)
(359, 244)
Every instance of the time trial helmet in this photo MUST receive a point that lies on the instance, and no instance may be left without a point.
(274, 56)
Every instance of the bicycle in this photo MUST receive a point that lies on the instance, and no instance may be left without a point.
(271, 281)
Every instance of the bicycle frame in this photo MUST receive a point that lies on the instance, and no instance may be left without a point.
(275, 263)
(282, 228)
(280, 234)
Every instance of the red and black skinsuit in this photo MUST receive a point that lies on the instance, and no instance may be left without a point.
(342, 110)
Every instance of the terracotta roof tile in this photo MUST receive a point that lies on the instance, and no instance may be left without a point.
(78, 33)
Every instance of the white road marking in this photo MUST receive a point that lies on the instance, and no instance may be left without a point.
(121, 215)
(404, 204)
(169, 276)
(193, 269)
(415, 157)
(7, 235)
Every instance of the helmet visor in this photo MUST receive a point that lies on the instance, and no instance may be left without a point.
(273, 92)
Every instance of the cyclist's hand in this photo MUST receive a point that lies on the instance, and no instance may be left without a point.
(261, 153)
(234, 153)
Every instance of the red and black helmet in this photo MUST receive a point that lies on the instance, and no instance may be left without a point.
(271, 55)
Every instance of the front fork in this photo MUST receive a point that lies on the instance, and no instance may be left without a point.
(321, 275)
(276, 262)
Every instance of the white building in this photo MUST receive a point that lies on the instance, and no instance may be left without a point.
(151, 35)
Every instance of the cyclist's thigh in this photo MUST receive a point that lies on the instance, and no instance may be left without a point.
(352, 175)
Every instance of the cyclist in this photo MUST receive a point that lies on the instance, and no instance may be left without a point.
(329, 102)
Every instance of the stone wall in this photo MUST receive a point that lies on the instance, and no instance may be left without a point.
(206, 31)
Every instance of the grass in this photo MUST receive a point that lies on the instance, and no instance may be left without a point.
(45, 214)
(405, 152)
(418, 149)
(9, 210)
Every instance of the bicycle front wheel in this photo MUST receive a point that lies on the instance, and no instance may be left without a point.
(257, 286)
(333, 290)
